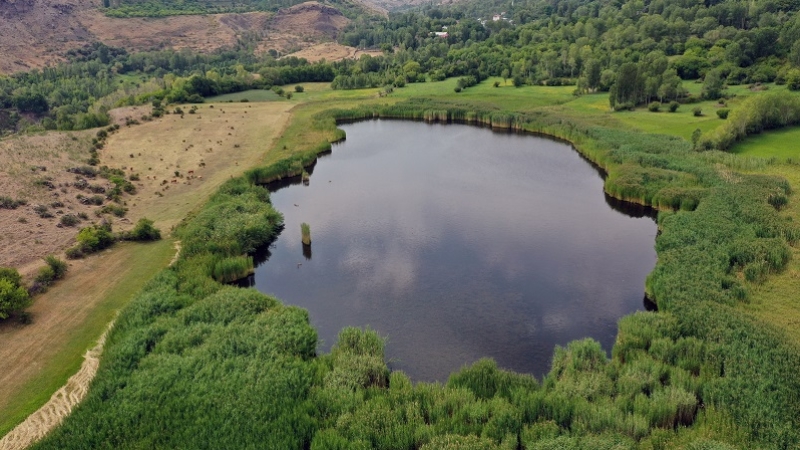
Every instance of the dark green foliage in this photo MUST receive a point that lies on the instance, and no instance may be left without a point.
(13, 296)
(654, 106)
(697, 111)
(722, 113)
(232, 268)
(673, 106)
(143, 231)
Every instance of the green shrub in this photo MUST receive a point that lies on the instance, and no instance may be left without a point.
(143, 231)
(654, 107)
(298, 89)
(58, 266)
(722, 113)
(95, 238)
(45, 276)
(305, 231)
(673, 106)
(13, 296)
(697, 111)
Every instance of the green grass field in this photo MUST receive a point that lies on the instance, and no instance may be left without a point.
(781, 144)
(253, 95)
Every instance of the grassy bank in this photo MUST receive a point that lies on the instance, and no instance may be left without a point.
(56, 344)
(217, 365)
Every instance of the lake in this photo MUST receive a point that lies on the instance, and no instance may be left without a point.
(456, 243)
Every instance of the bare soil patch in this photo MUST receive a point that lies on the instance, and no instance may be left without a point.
(332, 51)
(36, 33)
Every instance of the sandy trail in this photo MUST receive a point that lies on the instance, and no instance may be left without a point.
(49, 416)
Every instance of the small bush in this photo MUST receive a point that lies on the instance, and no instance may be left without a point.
(74, 252)
(654, 107)
(58, 266)
(673, 106)
(116, 210)
(722, 113)
(457, 89)
(496, 84)
(298, 88)
(9, 203)
(697, 111)
(45, 276)
(143, 231)
(69, 220)
(305, 230)
(42, 211)
(13, 296)
(627, 106)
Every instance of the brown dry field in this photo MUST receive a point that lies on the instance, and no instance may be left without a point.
(331, 51)
(26, 237)
(218, 142)
(228, 138)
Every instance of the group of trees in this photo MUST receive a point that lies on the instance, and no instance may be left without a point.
(643, 48)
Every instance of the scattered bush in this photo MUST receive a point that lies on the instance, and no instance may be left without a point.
(654, 107)
(9, 203)
(69, 220)
(43, 211)
(697, 111)
(116, 210)
(143, 231)
(722, 113)
(673, 106)
(298, 88)
(13, 296)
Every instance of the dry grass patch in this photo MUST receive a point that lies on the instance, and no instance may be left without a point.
(33, 168)
(182, 160)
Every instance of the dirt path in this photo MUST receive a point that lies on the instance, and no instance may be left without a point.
(49, 416)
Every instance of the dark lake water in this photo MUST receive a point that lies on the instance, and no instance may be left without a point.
(456, 243)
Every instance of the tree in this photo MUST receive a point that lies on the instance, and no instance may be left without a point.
(592, 72)
(626, 87)
(793, 80)
(13, 295)
(504, 74)
(713, 84)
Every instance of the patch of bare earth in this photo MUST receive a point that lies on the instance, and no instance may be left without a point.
(331, 51)
(301, 26)
(36, 33)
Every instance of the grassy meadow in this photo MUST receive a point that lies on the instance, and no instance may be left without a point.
(714, 368)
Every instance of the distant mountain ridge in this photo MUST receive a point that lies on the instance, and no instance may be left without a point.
(35, 33)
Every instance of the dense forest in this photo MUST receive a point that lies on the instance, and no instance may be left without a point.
(196, 363)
